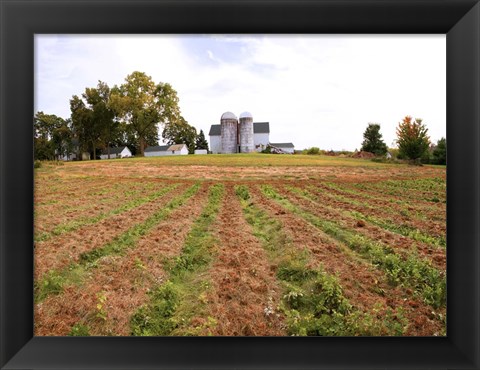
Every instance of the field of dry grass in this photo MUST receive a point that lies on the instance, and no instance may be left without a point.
(236, 245)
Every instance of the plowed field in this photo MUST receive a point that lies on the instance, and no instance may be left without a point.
(245, 245)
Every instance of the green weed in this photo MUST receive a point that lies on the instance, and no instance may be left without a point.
(312, 302)
(413, 271)
(54, 282)
(76, 224)
(173, 304)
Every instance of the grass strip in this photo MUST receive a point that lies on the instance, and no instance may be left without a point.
(402, 229)
(406, 192)
(174, 303)
(389, 225)
(405, 208)
(54, 281)
(411, 271)
(76, 224)
(312, 300)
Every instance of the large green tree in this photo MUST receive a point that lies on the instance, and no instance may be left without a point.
(86, 129)
(144, 105)
(439, 155)
(103, 114)
(180, 132)
(62, 139)
(412, 139)
(201, 142)
(372, 140)
(94, 118)
(52, 136)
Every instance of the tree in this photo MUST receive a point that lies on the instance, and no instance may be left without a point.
(143, 105)
(178, 132)
(49, 130)
(62, 139)
(373, 142)
(201, 142)
(85, 128)
(412, 139)
(94, 118)
(103, 114)
(440, 152)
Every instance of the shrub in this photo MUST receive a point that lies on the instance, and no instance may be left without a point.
(37, 164)
(313, 150)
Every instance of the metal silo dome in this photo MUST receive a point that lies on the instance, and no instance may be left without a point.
(228, 115)
(246, 115)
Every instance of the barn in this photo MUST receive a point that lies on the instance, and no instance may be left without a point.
(162, 150)
(118, 152)
(261, 137)
(283, 147)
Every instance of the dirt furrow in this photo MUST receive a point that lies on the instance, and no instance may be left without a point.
(49, 219)
(366, 287)
(122, 281)
(245, 287)
(398, 242)
(374, 189)
(377, 210)
(47, 191)
(407, 211)
(58, 252)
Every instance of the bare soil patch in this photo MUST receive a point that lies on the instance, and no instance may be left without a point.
(244, 283)
(123, 280)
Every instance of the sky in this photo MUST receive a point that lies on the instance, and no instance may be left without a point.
(315, 90)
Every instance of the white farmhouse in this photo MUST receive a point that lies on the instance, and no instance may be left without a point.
(163, 150)
(119, 152)
(156, 151)
(283, 147)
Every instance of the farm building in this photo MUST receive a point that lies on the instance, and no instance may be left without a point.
(119, 152)
(283, 147)
(162, 150)
(239, 136)
(74, 154)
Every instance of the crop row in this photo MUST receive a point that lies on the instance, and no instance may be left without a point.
(218, 277)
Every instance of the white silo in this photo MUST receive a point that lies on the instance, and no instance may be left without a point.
(228, 132)
(245, 129)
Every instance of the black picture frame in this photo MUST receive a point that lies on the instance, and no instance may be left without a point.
(21, 19)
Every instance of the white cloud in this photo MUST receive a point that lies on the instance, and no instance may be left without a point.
(314, 90)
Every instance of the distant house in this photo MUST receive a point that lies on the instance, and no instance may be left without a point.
(162, 150)
(118, 152)
(75, 153)
(261, 137)
(201, 151)
(156, 151)
(178, 149)
(284, 147)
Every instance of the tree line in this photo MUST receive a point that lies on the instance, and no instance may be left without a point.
(412, 139)
(103, 117)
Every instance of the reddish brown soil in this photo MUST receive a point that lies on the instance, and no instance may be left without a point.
(244, 283)
(123, 280)
(381, 210)
(59, 252)
(417, 204)
(70, 207)
(145, 170)
(362, 284)
(400, 243)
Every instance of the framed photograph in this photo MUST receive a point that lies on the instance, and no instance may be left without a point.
(177, 315)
